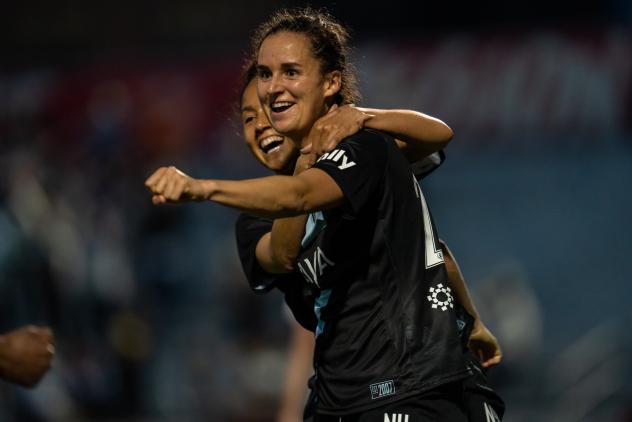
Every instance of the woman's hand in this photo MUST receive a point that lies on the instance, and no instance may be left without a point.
(305, 161)
(338, 124)
(26, 354)
(168, 184)
(484, 345)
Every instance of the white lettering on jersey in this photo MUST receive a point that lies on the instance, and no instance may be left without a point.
(434, 256)
(314, 268)
(335, 156)
(490, 413)
(396, 417)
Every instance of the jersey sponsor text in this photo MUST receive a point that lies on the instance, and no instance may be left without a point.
(312, 269)
(335, 156)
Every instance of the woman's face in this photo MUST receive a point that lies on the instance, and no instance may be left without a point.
(271, 149)
(290, 85)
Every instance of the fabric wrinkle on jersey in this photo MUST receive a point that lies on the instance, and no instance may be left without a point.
(381, 339)
(250, 229)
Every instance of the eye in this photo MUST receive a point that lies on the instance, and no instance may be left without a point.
(263, 74)
(248, 119)
(291, 73)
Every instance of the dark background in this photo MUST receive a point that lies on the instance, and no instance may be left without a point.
(153, 317)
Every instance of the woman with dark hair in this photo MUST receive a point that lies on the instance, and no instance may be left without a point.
(254, 234)
(386, 339)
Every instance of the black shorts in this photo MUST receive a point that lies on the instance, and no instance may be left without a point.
(444, 403)
(483, 404)
(482, 408)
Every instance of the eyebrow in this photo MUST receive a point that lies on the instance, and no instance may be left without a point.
(289, 64)
(248, 108)
(284, 66)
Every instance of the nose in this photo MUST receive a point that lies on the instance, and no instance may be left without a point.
(274, 85)
(261, 124)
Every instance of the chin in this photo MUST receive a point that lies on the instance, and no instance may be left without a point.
(283, 126)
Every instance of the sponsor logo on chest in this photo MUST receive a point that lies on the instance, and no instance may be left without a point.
(338, 156)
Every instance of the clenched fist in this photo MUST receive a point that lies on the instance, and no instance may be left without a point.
(168, 184)
(26, 354)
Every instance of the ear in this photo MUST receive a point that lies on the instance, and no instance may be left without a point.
(333, 83)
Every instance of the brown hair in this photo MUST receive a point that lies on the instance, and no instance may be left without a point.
(248, 73)
(329, 42)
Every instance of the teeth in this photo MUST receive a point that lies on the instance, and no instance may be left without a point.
(270, 139)
(281, 104)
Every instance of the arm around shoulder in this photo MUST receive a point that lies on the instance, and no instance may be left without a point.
(418, 134)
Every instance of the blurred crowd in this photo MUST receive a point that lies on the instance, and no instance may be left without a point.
(148, 306)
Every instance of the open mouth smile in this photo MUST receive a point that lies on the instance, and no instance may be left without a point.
(280, 106)
(270, 143)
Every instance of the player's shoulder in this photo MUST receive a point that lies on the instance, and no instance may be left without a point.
(364, 142)
(367, 138)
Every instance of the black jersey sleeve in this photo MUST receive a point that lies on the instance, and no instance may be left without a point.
(249, 230)
(357, 165)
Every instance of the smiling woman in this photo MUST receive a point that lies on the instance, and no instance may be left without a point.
(303, 69)
(273, 150)
(292, 89)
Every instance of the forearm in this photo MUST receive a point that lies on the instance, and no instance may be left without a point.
(285, 240)
(277, 196)
(457, 282)
(418, 133)
(277, 250)
(287, 233)
(299, 369)
(269, 197)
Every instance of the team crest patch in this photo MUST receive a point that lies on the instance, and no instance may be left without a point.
(441, 297)
(382, 389)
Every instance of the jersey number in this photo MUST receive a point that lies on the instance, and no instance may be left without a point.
(434, 255)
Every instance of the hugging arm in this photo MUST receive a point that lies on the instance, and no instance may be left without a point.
(482, 342)
(417, 134)
(278, 249)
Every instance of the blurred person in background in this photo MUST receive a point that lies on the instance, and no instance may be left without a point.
(266, 197)
(26, 354)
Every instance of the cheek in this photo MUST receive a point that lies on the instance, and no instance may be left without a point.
(261, 90)
(299, 88)
(249, 137)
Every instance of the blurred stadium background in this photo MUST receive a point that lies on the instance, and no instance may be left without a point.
(151, 311)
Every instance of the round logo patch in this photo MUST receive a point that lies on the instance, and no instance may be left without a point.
(441, 297)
